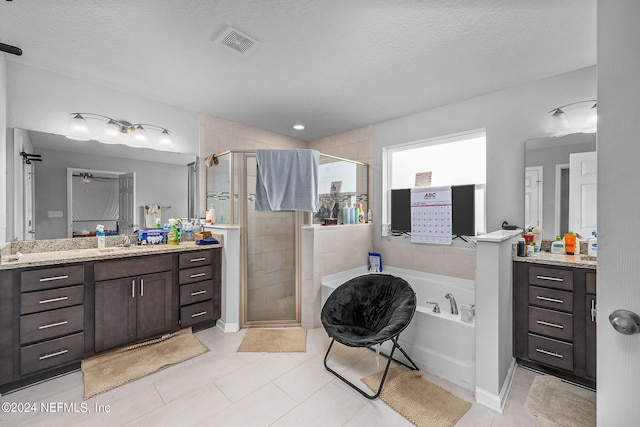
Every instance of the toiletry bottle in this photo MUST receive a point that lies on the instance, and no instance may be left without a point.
(592, 244)
(570, 243)
(173, 237)
(212, 211)
(360, 214)
(557, 247)
(369, 216)
(100, 235)
(158, 223)
(521, 247)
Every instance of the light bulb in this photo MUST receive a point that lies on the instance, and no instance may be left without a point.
(78, 129)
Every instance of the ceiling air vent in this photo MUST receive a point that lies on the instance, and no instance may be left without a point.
(237, 40)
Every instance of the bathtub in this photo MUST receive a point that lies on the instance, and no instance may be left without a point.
(440, 344)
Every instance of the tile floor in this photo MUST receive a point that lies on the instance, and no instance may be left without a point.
(226, 388)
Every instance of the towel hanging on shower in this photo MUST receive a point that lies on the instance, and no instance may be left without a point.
(287, 180)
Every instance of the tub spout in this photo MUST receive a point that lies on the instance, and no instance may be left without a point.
(452, 300)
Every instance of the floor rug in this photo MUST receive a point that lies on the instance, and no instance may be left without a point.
(418, 400)
(279, 340)
(561, 403)
(117, 367)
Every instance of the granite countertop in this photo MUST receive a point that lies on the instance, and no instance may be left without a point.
(37, 259)
(561, 260)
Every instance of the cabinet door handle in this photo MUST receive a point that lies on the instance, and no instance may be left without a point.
(559, 301)
(202, 313)
(133, 289)
(197, 275)
(51, 325)
(48, 279)
(553, 325)
(549, 353)
(46, 301)
(197, 259)
(141, 287)
(193, 294)
(554, 279)
(57, 353)
(593, 310)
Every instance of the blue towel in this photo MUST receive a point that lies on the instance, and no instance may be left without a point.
(207, 241)
(287, 180)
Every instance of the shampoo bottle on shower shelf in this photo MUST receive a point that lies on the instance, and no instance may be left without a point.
(360, 214)
(100, 236)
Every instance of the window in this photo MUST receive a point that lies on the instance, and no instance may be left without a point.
(452, 160)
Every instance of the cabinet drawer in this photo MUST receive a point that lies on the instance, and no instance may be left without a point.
(551, 278)
(196, 274)
(51, 353)
(195, 259)
(551, 298)
(551, 323)
(48, 278)
(34, 302)
(551, 352)
(135, 266)
(196, 313)
(50, 324)
(196, 292)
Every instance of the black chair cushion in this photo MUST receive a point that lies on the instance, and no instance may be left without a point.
(368, 310)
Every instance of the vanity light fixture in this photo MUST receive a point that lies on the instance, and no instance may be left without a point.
(114, 131)
(559, 124)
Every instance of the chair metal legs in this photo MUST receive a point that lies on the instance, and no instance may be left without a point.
(386, 369)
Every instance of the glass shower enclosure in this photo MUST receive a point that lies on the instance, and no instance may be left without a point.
(270, 241)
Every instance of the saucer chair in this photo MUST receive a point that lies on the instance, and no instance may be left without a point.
(369, 310)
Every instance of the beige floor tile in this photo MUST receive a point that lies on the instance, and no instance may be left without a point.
(260, 409)
(304, 380)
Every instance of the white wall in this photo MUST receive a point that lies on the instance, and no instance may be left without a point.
(3, 148)
(42, 100)
(618, 207)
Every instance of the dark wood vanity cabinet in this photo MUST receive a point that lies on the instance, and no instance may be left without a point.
(200, 287)
(553, 326)
(134, 307)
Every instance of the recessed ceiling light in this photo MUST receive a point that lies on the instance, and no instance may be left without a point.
(298, 127)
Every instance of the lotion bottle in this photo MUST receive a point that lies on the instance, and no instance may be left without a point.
(557, 247)
(592, 244)
(100, 236)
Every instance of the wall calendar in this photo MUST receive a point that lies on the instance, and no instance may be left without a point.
(431, 215)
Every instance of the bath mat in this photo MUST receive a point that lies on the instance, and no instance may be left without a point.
(418, 400)
(274, 340)
(566, 405)
(117, 367)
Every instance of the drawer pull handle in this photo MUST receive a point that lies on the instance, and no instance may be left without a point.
(45, 301)
(202, 313)
(559, 301)
(593, 310)
(553, 325)
(193, 294)
(51, 325)
(553, 279)
(141, 287)
(48, 279)
(197, 259)
(57, 353)
(133, 289)
(193, 276)
(549, 353)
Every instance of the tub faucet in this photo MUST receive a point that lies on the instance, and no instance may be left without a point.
(452, 300)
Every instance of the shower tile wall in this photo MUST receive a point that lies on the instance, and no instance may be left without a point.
(270, 261)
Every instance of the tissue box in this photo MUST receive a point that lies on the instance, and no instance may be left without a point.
(202, 235)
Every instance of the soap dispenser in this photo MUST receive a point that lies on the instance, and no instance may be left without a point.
(557, 247)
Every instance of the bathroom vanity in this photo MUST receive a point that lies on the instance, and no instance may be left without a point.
(57, 308)
(554, 327)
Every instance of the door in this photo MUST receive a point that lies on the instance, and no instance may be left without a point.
(533, 197)
(115, 313)
(127, 202)
(270, 284)
(153, 304)
(583, 176)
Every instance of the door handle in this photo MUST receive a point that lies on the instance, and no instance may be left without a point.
(624, 321)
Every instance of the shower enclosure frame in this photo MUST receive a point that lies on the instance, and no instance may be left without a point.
(241, 218)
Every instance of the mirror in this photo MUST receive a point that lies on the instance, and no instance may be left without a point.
(560, 184)
(58, 194)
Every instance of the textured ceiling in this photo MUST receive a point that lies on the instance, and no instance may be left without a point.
(333, 65)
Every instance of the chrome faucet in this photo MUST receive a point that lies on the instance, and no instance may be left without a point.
(452, 300)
